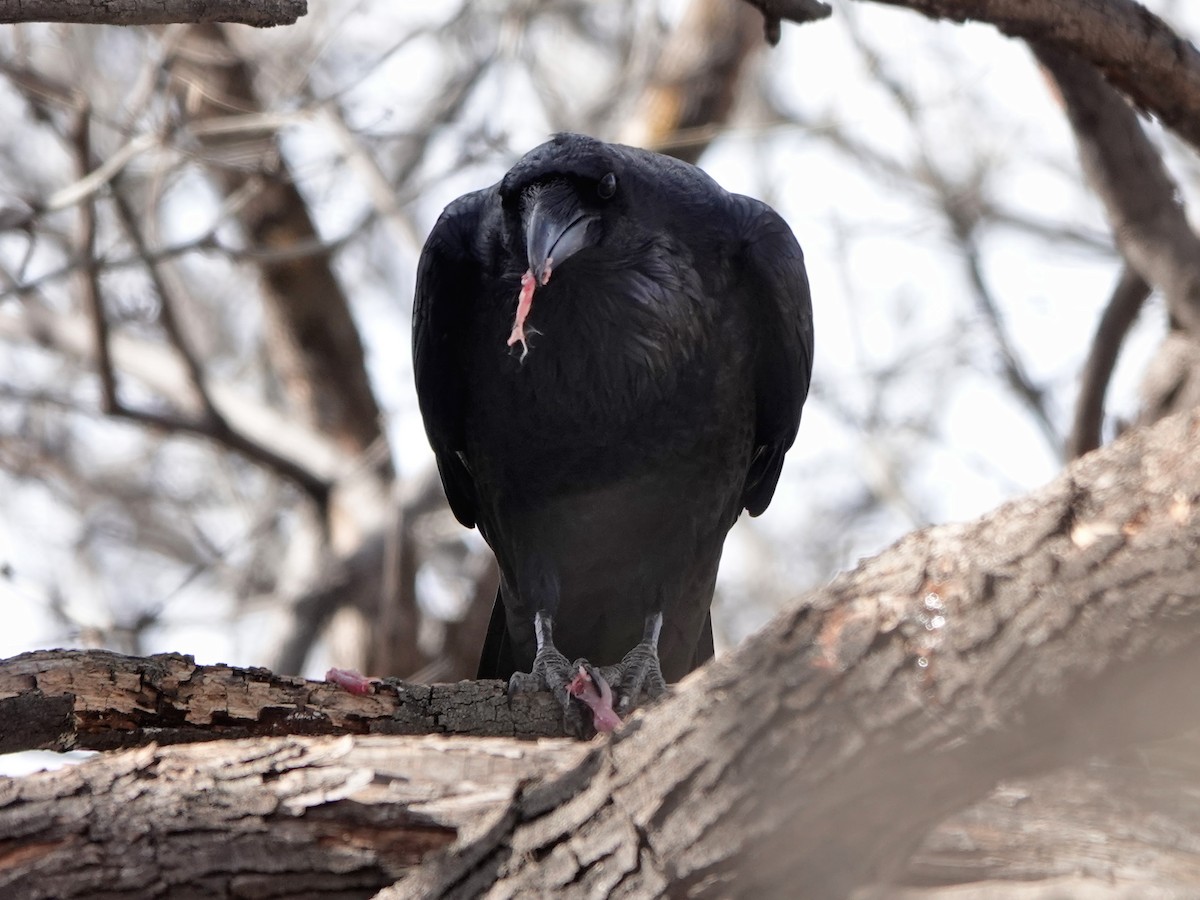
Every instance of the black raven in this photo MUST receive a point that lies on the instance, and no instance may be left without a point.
(611, 355)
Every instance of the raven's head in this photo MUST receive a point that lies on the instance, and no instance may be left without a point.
(560, 199)
(575, 194)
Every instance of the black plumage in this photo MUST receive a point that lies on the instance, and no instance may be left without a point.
(666, 359)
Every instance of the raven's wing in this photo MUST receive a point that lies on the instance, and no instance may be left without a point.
(449, 276)
(772, 266)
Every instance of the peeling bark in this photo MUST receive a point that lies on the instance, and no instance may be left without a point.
(820, 753)
(298, 817)
(98, 700)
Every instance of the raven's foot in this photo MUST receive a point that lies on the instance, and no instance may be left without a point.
(550, 668)
(639, 673)
(565, 681)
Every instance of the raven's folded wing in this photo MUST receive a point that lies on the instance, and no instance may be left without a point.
(449, 279)
(772, 266)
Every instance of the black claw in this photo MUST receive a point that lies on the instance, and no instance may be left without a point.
(639, 674)
(552, 672)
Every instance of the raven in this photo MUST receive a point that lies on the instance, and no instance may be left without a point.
(611, 354)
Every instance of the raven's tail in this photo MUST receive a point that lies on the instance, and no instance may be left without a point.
(496, 661)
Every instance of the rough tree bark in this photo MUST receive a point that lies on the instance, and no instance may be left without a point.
(819, 753)
(98, 700)
(262, 13)
(299, 817)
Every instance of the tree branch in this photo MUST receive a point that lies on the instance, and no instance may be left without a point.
(1137, 52)
(299, 817)
(823, 749)
(800, 11)
(260, 13)
(1127, 173)
(820, 752)
(99, 700)
(1122, 311)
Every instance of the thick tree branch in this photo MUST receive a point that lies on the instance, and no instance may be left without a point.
(1038, 837)
(822, 750)
(98, 700)
(298, 817)
(313, 342)
(690, 94)
(1063, 624)
(261, 13)
(1127, 173)
(1137, 52)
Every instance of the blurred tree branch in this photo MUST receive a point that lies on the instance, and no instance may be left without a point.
(1150, 226)
(1127, 173)
(261, 13)
(1128, 296)
(1136, 51)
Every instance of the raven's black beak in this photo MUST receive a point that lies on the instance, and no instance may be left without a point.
(556, 227)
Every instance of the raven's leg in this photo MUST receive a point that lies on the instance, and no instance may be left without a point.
(579, 680)
(550, 670)
(640, 669)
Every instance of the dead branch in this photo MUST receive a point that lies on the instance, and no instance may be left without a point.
(296, 817)
(98, 700)
(260, 13)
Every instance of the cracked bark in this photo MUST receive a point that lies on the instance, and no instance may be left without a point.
(299, 817)
(98, 700)
(823, 750)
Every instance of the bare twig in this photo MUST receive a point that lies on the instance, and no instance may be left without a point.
(1123, 307)
(166, 312)
(213, 426)
(1031, 395)
(960, 208)
(89, 281)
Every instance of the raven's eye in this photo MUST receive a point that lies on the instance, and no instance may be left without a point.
(607, 186)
